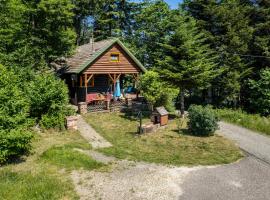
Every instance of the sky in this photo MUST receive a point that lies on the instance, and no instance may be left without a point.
(172, 3)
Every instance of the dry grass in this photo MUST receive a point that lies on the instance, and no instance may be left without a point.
(167, 146)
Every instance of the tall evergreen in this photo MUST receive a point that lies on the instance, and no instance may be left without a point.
(151, 28)
(189, 62)
(261, 41)
(84, 11)
(113, 19)
(226, 24)
(34, 33)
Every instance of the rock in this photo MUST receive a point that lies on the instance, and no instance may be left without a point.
(72, 123)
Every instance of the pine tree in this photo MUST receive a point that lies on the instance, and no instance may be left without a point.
(189, 62)
(113, 19)
(261, 41)
(84, 12)
(34, 33)
(226, 24)
(151, 28)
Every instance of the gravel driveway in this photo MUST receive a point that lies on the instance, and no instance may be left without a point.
(248, 179)
(253, 143)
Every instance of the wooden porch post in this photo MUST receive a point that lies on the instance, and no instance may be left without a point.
(85, 86)
(114, 79)
(86, 81)
(136, 78)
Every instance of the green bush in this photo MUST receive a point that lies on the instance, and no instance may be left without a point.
(14, 105)
(203, 121)
(260, 93)
(49, 101)
(14, 143)
(157, 92)
(14, 116)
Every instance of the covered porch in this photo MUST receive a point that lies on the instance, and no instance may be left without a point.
(100, 88)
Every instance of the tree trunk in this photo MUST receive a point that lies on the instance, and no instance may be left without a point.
(209, 96)
(182, 103)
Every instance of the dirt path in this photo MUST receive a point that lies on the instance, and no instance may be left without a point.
(253, 143)
(132, 181)
(91, 135)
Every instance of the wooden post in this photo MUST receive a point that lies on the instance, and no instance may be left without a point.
(80, 80)
(114, 78)
(85, 85)
(114, 82)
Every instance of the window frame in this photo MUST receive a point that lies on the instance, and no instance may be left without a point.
(115, 54)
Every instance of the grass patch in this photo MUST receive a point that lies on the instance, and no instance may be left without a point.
(68, 158)
(33, 177)
(166, 146)
(21, 186)
(250, 121)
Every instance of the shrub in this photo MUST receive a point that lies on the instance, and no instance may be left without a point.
(203, 121)
(14, 116)
(14, 105)
(14, 143)
(156, 92)
(260, 93)
(49, 100)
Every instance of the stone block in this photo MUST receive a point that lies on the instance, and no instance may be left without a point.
(72, 123)
(82, 108)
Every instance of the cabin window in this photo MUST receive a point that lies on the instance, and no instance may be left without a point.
(115, 57)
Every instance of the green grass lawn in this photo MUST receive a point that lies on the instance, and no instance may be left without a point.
(68, 158)
(250, 121)
(167, 146)
(45, 173)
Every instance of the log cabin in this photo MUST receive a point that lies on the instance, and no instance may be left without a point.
(99, 68)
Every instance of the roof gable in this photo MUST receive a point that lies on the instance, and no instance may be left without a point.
(85, 57)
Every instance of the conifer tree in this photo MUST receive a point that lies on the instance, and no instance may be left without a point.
(189, 62)
(35, 32)
(260, 19)
(226, 24)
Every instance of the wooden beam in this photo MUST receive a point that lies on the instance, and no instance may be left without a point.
(114, 78)
(111, 77)
(135, 76)
(91, 75)
(118, 77)
(85, 80)
(81, 81)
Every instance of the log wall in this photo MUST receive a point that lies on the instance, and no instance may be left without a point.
(104, 65)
